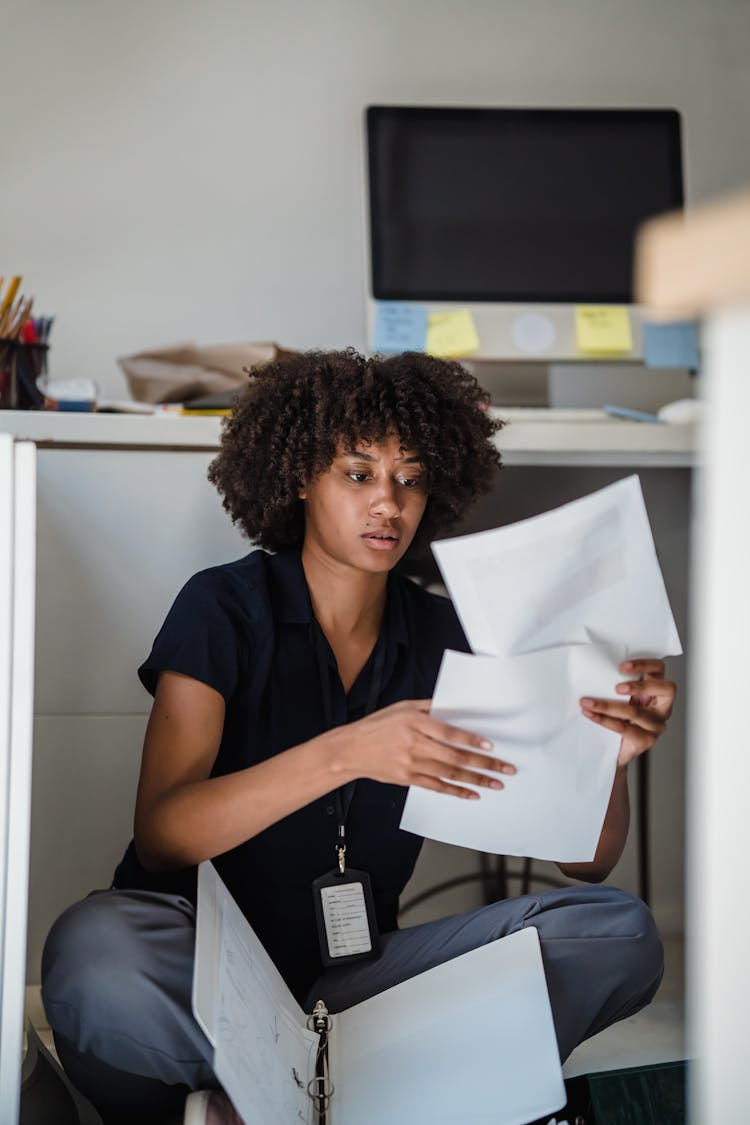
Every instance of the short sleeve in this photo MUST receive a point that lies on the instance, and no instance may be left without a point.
(201, 637)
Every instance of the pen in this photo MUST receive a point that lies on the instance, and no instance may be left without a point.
(633, 415)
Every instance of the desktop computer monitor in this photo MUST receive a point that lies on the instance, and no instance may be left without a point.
(515, 205)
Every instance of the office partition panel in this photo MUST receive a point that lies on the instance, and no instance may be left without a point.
(17, 599)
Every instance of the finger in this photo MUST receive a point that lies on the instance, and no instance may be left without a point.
(662, 689)
(628, 713)
(637, 737)
(655, 695)
(444, 732)
(437, 785)
(453, 756)
(646, 667)
(657, 707)
(634, 740)
(459, 774)
(642, 736)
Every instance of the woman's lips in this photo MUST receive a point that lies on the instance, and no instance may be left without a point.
(384, 541)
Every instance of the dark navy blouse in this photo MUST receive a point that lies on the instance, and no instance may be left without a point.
(246, 629)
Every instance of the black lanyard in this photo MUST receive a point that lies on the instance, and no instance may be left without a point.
(345, 793)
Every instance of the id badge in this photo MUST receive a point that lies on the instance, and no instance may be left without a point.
(345, 917)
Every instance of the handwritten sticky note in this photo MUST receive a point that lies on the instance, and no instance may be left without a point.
(603, 330)
(400, 327)
(671, 345)
(451, 334)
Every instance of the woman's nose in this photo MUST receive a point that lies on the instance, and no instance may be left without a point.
(385, 502)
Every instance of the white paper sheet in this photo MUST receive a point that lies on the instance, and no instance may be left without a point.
(262, 1056)
(470, 1040)
(585, 571)
(559, 601)
(262, 1048)
(554, 806)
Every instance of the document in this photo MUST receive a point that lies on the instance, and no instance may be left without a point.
(584, 573)
(470, 1040)
(527, 706)
(553, 604)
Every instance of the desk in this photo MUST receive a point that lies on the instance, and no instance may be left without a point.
(126, 516)
(530, 437)
(564, 437)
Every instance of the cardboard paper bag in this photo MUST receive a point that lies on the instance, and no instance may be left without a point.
(179, 372)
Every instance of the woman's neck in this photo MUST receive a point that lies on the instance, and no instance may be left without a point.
(346, 602)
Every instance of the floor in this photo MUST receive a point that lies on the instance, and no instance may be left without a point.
(654, 1035)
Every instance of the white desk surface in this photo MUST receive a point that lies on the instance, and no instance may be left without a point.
(531, 437)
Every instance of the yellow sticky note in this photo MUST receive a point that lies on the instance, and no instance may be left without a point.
(451, 334)
(603, 330)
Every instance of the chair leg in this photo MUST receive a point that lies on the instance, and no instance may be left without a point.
(644, 828)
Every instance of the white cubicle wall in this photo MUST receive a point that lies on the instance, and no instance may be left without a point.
(719, 762)
(17, 602)
(120, 531)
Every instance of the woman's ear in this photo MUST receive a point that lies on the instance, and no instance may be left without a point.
(302, 492)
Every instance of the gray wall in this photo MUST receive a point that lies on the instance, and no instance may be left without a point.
(174, 170)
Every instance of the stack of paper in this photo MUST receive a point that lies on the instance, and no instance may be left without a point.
(554, 604)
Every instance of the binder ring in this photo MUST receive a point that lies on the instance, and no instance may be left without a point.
(321, 1090)
(315, 1020)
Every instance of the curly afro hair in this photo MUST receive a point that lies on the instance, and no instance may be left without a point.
(287, 425)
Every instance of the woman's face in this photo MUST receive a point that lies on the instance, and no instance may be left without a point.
(365, 509)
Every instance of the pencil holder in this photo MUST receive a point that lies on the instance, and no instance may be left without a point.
(20, 367)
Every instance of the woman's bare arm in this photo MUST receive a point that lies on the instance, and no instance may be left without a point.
(184, 816)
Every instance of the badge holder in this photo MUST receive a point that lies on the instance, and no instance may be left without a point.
(345, 915)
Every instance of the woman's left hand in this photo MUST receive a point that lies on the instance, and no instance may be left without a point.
(644, 716)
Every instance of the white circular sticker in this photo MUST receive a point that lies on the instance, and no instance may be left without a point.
(533, 333)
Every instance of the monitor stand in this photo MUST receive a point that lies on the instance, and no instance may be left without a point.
(597, 384)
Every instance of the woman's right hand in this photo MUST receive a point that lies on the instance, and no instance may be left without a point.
(404, 745)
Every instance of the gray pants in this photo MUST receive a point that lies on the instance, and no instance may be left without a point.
(117, 974)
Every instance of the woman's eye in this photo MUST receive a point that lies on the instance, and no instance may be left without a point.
(358, 478)
(411, 482)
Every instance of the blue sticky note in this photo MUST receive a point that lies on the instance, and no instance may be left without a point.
(671, 345)
(400, 327)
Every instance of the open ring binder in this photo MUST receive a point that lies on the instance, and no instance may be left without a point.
(378, 1060)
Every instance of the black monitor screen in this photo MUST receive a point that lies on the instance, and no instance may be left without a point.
(515, 204)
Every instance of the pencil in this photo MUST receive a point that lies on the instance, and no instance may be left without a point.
(10, 295)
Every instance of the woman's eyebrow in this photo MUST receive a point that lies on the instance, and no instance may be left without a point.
(359, 455)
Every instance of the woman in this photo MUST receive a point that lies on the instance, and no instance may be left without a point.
(291, 706)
